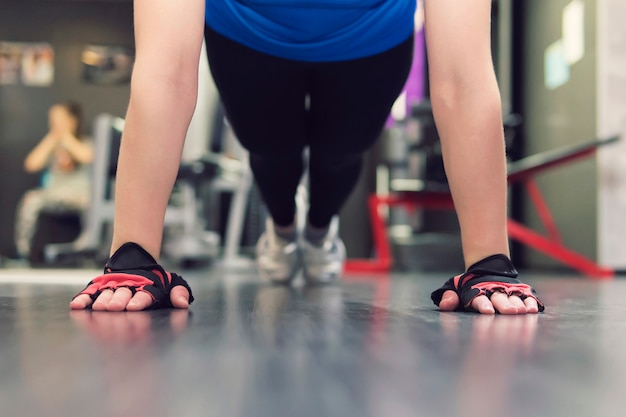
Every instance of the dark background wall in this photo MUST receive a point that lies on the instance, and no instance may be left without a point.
(68, 26)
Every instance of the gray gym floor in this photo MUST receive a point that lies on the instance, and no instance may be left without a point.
(372, 346)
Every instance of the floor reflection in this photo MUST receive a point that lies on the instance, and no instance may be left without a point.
(130, 328)
(369, 347)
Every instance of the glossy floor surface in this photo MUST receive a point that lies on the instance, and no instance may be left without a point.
(370, 347)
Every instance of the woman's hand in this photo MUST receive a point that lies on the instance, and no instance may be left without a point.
(81, 152)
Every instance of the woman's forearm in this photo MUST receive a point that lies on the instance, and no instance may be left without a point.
(38, 158)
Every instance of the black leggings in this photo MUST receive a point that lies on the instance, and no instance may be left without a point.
(264, 99)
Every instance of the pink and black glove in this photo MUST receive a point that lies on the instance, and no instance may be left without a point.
(133, 268)
(493, 274)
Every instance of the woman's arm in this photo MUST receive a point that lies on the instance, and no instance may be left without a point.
(39, 157)
(164, 89)
(467, 110)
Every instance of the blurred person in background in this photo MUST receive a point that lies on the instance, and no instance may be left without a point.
(60, 157)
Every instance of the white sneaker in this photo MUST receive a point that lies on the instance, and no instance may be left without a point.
(277, 260)
(323, 262)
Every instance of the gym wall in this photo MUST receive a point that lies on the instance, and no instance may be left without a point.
(68, 26)
(558, 117)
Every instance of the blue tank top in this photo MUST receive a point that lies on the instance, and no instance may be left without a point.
(314, 30)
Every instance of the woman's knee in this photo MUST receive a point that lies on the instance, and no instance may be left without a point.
(335, 162)
(31, 199)
(271, 153)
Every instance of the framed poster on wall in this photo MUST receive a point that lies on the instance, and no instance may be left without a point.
(107, 65)
(29, 64)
